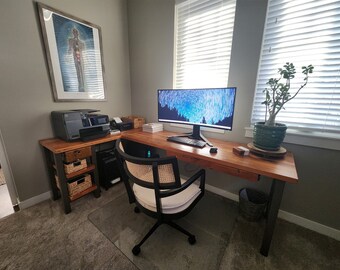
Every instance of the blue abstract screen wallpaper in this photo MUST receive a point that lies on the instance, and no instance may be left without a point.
(206, 107)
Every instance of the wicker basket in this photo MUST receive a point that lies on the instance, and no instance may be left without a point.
(75, 166)
(79, 184)
(253, 204)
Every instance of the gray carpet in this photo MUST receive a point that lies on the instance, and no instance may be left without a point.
(293, 247)
(43, 237)
(167, 248)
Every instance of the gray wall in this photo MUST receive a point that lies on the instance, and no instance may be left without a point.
(26, 96)
(25, 93)
(151, 25)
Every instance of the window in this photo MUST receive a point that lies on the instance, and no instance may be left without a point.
(203, 39)
(303, 32)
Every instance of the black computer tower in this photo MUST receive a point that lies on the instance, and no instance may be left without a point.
(107, 168)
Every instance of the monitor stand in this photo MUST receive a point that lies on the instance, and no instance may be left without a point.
(197, 135)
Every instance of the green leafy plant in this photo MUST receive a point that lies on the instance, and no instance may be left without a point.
(278, 93)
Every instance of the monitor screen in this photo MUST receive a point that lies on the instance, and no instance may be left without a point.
(212, 107)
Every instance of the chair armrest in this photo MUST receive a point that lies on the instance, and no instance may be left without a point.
(200, 174)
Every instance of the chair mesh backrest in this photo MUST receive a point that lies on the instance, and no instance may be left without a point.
(144, 172)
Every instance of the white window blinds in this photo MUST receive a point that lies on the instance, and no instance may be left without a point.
(203, 39)
(303, 32)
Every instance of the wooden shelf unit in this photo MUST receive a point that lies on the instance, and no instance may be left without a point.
(73, 156)
(57, 152)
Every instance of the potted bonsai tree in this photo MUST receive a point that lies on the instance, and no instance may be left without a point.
(269, 135)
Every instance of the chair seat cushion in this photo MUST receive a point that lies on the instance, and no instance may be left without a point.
(170, 205)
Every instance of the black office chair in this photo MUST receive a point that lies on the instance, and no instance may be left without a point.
(158, 190)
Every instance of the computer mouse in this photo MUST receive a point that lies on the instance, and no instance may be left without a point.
(213, 150)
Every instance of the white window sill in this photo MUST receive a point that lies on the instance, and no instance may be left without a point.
(308, 138)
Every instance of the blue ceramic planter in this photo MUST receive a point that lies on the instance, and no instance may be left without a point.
(269, 137)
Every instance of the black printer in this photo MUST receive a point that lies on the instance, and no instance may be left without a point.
(81, 124)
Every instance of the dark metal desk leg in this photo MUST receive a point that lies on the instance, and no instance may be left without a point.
(50, 163)
(275, 197)
(97, 191)
(62, 180)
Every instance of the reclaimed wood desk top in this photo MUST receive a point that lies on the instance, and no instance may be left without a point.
(281, 169)
(248, 167)
(57, 146)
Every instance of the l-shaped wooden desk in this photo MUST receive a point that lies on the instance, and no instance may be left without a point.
(247, 167)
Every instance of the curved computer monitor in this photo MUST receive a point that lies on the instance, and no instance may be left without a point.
(209, 107)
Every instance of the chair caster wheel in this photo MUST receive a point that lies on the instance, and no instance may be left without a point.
(136, 250)
(192, 240)
(137, 210)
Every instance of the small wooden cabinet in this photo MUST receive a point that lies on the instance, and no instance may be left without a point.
(71, 184)
(67, 180)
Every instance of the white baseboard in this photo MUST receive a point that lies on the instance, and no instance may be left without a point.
(222, 192)
(309, 224)
(35, 200)
(303, 222)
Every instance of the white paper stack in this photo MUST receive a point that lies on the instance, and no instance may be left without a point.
(153, 127)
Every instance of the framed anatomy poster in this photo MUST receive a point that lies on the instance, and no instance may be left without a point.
(74, 55)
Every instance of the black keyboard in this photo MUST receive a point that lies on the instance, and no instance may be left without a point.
(187, 141)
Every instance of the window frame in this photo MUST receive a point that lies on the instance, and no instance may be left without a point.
(296, 135)
(174, 82)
